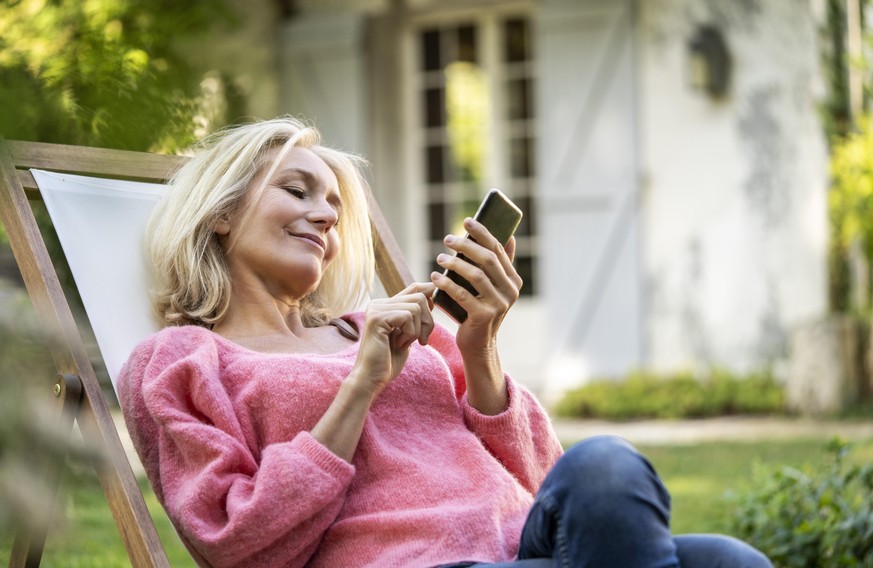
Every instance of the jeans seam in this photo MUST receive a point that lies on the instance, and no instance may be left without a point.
(561, 552)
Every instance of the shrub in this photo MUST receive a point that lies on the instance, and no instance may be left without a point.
(646, 395)
(850, 208)
(808, 518)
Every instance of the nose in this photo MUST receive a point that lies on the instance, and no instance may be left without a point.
(324, 214)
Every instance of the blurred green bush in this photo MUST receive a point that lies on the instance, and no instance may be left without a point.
(850, 208)
(802, 518)
(109, 74)
(682, 395)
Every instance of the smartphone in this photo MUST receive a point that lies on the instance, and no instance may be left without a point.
(501, 217)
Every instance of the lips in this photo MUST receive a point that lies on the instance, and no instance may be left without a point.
(312, 238)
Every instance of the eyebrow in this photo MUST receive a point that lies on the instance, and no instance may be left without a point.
(288, 172)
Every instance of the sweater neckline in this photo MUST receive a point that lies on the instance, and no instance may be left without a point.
(344, 318)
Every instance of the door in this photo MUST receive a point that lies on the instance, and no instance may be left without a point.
(589, 194)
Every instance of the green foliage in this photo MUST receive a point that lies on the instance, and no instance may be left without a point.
(849, 138)
(105, 73)
(101, 72)
(850, 200)
(806, 517)
(835, 111)
(646, 395)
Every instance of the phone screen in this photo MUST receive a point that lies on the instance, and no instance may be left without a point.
(501, 217)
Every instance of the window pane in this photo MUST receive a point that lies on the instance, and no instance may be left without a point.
(527, 226)
(518, 99)
(467, 107)
(434, 107)
(434, 161)
(517, 46)
(524, 265)
(436, 248)
(467, 44)
(437, 216)
(430, 49)
(520, 158)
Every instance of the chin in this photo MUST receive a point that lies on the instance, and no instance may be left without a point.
(308, 278)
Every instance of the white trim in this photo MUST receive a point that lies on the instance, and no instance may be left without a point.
(497, 164)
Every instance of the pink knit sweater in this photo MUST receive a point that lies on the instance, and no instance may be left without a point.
(223, 433)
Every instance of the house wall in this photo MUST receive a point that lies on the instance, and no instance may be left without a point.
(734, 190)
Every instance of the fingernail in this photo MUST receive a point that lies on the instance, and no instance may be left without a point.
(441, 258)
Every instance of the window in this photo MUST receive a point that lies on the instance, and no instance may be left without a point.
(474, 87)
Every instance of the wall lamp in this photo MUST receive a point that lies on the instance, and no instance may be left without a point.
(709, 62)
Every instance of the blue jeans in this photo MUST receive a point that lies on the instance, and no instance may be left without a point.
(603, 505)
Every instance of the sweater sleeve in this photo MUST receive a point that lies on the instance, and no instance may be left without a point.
(521, 437)
(237, 505)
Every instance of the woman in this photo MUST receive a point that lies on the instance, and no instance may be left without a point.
(277, 433)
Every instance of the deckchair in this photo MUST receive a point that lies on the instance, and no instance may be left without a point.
(77, 388)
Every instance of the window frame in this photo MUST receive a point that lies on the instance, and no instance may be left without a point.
(496, 172)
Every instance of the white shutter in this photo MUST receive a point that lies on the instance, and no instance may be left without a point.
(589, 196)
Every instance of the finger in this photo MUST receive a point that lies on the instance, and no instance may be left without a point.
(416, 288)
(478, 262)
(426, 316)
(494, 286)
(480, 233)
(504, 255)
(510, 249)
(481, 281)
(480, 246)
(455, 291)
(406, 320)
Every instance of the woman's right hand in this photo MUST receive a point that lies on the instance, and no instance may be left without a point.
(391, 326)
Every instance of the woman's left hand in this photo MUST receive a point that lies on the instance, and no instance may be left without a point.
(498, 284)
(494, 278)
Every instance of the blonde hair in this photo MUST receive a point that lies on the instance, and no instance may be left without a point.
(193, 281)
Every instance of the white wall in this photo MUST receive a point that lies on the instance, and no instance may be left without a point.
(733, 220)
(734, 191)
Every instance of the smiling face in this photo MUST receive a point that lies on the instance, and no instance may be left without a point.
(284, 237)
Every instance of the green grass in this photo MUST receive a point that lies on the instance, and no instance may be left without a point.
(86, 536)
(699, 478)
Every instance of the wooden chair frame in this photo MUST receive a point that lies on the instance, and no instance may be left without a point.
(77, 387)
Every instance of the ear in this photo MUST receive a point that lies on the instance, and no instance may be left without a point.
(222, 227)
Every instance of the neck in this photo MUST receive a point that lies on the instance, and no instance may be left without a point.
(249, 318)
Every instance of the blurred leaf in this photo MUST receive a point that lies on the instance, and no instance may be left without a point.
(102, 73)
(105, 73)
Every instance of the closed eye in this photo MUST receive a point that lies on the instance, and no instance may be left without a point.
(295, 191)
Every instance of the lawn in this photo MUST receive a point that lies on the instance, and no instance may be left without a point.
(699, 478)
